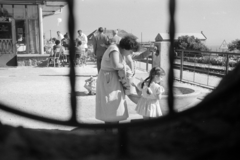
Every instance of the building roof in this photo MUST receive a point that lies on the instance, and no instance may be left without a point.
(166, 37)
(108, 32)
(50, 7)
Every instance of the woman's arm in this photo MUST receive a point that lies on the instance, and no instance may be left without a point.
(130, 62)
(146, 53)
(114, 58)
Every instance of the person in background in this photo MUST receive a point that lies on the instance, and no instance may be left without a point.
(115, 39)
(49, 47)
(100, 44)
(59, 36)
(80, 54)
(58, 51)
(83, 38)
(65, 41)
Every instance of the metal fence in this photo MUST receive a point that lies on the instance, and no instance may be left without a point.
(202, 68)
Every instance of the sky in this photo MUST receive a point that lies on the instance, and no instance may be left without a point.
(218, 19)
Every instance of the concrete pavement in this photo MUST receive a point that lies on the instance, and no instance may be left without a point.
(46, 92)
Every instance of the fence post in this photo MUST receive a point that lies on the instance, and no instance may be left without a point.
(227, 64)
(181, 68)
(147, 63)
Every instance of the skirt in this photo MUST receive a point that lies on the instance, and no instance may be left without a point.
(111, 103)
(149, 107)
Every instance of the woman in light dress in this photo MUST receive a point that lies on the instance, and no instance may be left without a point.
(111, 106)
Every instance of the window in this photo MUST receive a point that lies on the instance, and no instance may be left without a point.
(19, 11)
(33, 36)
(9, 10)
(32, 12)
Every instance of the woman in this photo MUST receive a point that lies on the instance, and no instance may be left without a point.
(111, 106)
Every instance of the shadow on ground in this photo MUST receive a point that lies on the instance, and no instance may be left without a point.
(82, 94)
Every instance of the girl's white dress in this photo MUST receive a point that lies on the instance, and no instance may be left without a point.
(149, 105)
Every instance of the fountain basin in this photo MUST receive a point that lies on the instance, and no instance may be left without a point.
(184, 97)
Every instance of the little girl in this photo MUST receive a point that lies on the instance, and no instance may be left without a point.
(90, 85)
(149, 104)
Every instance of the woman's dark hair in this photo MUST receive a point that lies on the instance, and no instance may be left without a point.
(154, 71)
(129, 43)
(57, 42)
(100, 29)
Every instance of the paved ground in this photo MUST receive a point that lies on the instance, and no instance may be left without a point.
(46, 92)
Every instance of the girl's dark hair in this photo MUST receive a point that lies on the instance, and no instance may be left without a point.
(154, 71)
(129, 43)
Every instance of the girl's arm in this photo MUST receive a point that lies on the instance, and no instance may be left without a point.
(159, 92)
(159, 96)
(139, 92)
(114, 58)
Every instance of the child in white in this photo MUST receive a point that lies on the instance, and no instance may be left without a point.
(149, 104)
(90, 85)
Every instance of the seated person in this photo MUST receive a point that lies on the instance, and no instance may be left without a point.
(80, 54)
(90, 85)
(58, 51)
(49, 47)
(65, 41)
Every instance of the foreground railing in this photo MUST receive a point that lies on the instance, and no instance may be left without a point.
(122, 127)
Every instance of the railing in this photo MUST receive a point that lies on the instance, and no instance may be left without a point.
(171, 116)
(6, 46)
(201, 68)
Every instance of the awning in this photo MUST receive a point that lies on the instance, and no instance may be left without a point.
(50, 7)
(53, 7)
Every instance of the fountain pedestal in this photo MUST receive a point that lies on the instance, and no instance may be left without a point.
(183, 96)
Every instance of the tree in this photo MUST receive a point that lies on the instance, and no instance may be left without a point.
(190, 43)
(234, 45)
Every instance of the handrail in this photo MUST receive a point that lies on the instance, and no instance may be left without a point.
(211, 52)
